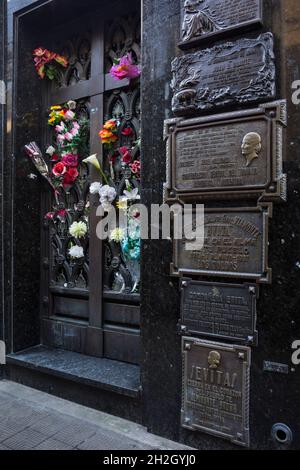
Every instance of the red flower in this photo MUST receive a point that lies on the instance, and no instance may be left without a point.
(49, 215)
(54, 157)
(70, 160)
(126, 158)
(61, 213)
(123, 150)
(136, 168)
(127, 132)
(59, 169)
(70, 176)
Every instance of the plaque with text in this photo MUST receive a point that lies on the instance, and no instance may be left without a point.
(223, 311)
(233, 73)
(226, 155)
(235, 245)
(204, 19)
(216, 386)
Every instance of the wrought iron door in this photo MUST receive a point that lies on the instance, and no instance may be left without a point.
(91, 305)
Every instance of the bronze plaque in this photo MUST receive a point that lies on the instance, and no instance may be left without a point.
(228, 154)
(216, 386)
(225, 311)
(204, 19)
(235, 246)
(238, 72)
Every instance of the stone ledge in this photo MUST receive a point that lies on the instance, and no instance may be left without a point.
(114, 376)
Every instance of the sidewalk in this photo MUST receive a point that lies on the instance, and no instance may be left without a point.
(30, 419)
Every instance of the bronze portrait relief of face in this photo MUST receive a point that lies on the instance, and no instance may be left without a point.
(251, 147)
(214, 359)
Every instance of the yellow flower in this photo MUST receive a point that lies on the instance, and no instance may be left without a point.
(78, 229)
(122, 204)
(117, 235)
(54, 108)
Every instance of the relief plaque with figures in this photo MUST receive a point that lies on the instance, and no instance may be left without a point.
(224, 311)
(235, 246)
(203, 19)
(216, 385)
(231, 73)
(227, 154)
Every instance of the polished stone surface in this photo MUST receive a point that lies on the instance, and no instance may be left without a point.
(102, 373)
(274, 396)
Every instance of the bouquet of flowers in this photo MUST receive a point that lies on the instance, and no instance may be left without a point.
(70, 134)
(46, 63)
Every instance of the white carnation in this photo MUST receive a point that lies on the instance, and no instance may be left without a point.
(108, 193)
(95, 188)
(76, 252)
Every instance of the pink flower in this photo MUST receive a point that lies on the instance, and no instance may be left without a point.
(60, 128)
(70, 160)
(49, 215)
(69, 115)
(76, 125)
(74, 132)
(69, 136)
(61, 138)
(125, 69)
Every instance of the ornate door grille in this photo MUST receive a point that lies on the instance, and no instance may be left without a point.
(92, 305)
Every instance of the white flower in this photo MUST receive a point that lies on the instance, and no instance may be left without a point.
(133, 194)
(95, 188)
(76, 252)
(50, 150)
(93, 161)
(71, 104)
(107, 193)
(78, 229)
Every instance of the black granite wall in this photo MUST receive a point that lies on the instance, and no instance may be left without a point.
(273, 396)
(2, 123)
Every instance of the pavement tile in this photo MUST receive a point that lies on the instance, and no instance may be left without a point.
(3, 447)
(108, 440)
(52, 424)
(53, 444)
(25, 440)
(75, 435)
(9, 429)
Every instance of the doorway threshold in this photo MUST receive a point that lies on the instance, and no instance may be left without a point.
(101, 373)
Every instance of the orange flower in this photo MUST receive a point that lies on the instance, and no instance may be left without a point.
(110, 125)
(39, 52)
(61, 60)
(107, 136)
